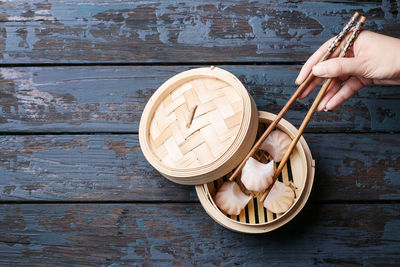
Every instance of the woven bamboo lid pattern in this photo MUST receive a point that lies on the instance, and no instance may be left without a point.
(197, 125)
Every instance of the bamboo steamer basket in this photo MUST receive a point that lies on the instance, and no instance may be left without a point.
(198, 126)
(254, 219)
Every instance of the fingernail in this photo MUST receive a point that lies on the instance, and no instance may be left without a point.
(298, 81)
(326, 110)
(319, 70)
(328, 106)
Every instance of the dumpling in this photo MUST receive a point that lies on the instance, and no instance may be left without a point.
(257, 176)
(276, 144)
(280, 198)
(231, 199)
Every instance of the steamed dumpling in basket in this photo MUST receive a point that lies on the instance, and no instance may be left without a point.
(276, 144)
(231, 199)
(257, 176)
(280, 198)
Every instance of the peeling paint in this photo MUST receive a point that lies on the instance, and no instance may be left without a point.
(68, 99)
(119, 147)
(336, 234)
(80, 167)
(163, 31)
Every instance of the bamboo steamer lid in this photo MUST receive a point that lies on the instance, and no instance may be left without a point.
(255, 219)
(198, 126)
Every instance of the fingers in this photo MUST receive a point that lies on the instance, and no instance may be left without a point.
(338, 67)
(306, 69)
(317, 81)
(332, 90)
(350, 87)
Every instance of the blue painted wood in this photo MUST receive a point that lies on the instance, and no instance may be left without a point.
(161, 223)
(183, 234)
(356, 166)
(111, 99)
(84, 167)
(112, 168)
(78, 31)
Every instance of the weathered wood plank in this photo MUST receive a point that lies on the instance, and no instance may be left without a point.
(85, 167)
(180, 31)
(111, 99)
(112, 167)
(356, 166)
(183, 234)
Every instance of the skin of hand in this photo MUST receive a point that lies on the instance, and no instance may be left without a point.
(373, 59)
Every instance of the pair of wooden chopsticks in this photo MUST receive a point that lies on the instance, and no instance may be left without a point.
(338, 40)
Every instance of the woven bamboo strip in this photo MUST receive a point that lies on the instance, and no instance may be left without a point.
(252, 212)
(196, 123)
(242, 216)
(260, 211)
(270, 215)
(285, 175)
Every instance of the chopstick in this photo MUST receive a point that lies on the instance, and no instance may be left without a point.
(310, 113)
(339, 38)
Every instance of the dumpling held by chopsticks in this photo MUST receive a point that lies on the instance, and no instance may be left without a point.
(257, 176)
(276, 144)
(231, 199)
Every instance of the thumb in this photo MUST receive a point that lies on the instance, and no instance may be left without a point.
(336, 67)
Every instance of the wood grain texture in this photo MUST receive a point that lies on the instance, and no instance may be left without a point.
(111, 99)
(85, 167)
(183, 234)
(157, 222)
(356, 167)
(112, 167)
(181, 31)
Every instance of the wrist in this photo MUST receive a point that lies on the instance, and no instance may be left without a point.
(396, 57)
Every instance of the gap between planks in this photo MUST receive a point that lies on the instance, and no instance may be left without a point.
(39, 133)
(310, 202)
(155, 64)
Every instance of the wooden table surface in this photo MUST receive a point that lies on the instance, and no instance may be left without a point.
(75, 188)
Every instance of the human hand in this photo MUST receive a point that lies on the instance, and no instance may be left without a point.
(373, 59)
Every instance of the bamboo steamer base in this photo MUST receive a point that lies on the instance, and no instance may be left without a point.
(254, 219)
